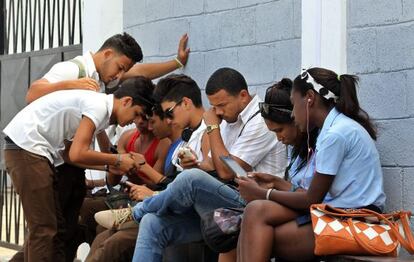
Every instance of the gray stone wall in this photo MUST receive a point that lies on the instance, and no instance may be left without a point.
(381, 51)
(260, 38)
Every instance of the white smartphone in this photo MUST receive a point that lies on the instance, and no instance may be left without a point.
(186, 152)
(233, 165)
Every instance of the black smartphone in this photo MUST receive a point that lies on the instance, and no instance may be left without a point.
(113, 149)
(233, 165)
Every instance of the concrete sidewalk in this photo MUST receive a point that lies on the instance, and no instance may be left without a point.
(6, 254)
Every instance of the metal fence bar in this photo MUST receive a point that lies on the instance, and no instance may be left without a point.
(29, 25)
(80, 21)
(2, 28)
(13, 227)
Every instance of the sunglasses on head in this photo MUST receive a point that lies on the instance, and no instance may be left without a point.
(267, 108)
(169, 113)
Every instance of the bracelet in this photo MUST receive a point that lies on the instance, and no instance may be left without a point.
(180, 65)
(269, 191)
(142, 163)
(118, 160)
(161, 179)
(106, 168)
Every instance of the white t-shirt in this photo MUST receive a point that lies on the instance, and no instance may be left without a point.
(43, 125)
(195, 143)
(68, 70)
(255, 144)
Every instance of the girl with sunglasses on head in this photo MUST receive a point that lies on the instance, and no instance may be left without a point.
(346, 165)
(277, 113)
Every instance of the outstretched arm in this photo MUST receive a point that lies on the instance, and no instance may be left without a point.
(155, 70)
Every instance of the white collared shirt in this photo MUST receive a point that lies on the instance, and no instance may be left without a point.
(68, 70)
(255, 144)
(344, 149)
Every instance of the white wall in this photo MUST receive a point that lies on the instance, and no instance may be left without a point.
(101, 20)
(324, 34)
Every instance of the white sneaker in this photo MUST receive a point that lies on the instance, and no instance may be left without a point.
(82, 252)
(116, 218)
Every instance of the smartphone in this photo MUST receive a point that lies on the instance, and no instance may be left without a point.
(124, 182)
(186, 152)
(113, 149)
(233, 165)
(128, 184)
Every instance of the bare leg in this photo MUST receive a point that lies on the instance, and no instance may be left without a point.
(257, 229)
(230, 256)
(293, 242)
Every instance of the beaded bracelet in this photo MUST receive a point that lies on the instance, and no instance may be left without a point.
(269, 191)
(180, 65)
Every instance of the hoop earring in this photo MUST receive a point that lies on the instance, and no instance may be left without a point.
(308, 132)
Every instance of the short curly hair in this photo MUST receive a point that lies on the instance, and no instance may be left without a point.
(124, 44)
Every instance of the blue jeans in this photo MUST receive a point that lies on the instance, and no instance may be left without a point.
(173, 216)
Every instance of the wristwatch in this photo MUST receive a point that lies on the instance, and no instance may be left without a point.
(210, 128)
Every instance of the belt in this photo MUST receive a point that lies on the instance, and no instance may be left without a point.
(10, 144)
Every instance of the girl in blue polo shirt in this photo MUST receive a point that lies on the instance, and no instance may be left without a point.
(347, 167)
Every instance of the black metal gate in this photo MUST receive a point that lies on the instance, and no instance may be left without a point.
(27, 28)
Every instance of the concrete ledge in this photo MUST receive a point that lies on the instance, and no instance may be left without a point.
(347, 258)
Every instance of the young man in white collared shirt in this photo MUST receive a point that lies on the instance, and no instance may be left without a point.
(173, 216)
(243, 134)
(117, 59)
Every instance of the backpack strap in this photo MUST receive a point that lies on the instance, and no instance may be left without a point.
(82, 71)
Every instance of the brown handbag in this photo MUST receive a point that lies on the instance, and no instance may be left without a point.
(360, 231)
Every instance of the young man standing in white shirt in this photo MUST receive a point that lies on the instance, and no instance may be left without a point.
(34, 140)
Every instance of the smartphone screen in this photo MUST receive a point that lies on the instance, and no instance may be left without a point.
(233, 165)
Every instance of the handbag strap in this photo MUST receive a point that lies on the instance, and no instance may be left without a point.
(362, 212)
(408, 241)
(367, 246)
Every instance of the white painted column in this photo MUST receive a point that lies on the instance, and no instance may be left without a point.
(324, 34)
(101, 19)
